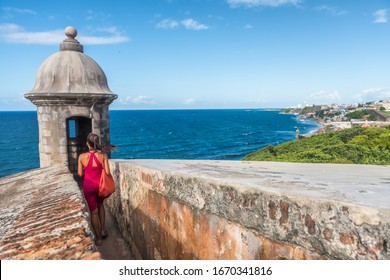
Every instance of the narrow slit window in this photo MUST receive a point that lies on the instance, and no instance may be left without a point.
(72, 128)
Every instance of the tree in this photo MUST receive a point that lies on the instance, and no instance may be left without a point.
(372, 117)
(355, 145)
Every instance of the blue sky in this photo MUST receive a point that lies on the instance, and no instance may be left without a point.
(207, 53)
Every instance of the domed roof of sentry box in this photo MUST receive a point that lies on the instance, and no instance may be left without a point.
(70, 71)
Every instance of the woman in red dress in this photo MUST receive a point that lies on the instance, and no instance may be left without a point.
(91, 165)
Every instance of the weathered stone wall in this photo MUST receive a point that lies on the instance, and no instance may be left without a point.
(43, 216)
(251, 210)
(53, 144)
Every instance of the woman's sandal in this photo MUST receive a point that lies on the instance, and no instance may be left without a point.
(104, 234)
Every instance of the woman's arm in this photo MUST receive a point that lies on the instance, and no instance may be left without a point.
(80, 170)
(106, 166)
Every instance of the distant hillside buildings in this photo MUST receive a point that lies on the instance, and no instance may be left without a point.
(376, 113)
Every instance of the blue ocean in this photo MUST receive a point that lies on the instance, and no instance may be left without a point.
(162, 134)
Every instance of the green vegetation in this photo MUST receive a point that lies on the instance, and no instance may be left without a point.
(307, 110)
(355, 145)
(360, 114)
(386, 113)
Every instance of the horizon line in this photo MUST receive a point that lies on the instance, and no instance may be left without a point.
(166, 109)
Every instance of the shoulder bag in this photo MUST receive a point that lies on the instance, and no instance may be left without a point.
(107, 185)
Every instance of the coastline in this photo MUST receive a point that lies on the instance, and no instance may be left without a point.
(322, 125)
(325, 127)
(338, 123)
(337, 126)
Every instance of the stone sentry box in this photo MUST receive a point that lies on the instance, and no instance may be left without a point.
(72, 96)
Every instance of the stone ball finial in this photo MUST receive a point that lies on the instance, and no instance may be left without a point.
(71, 32)
(70, 43)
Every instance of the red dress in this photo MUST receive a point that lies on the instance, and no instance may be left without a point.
(91, 182)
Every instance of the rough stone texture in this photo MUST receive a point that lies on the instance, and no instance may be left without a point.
(69, 85)
(70, 71)
(43, 216)
(53, 143)
(252, 210)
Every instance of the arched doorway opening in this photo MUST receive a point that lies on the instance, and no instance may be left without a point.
(77, 129)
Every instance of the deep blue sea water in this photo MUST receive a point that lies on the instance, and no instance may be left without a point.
(162, 134)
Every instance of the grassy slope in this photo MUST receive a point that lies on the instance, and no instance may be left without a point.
(356, 145)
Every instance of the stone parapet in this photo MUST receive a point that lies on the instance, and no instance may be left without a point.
(43, 216)
(178, 209)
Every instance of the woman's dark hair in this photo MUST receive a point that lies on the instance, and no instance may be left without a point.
(94, 141)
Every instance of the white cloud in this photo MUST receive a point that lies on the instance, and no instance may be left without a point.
(189, 101)
(17, 99)
(248, 26)
(167, 24)
(98, 16)
(193, 24)
(259, 3)
(13, 33)
(330, 10)
(380, 16)
(188, 23)
(216, 17)
(9, 28)
(373, 94)
(115, 37)
(18, 11)
(93, 40)
(108, 29)
(325, 96)
(141, 99)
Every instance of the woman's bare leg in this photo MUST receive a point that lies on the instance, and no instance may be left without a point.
(96, 226)
(102, 217)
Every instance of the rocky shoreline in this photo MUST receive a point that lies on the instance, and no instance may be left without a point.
(338, 117)
(336, 126)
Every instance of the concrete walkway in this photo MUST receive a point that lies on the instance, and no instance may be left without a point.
(114, 246)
